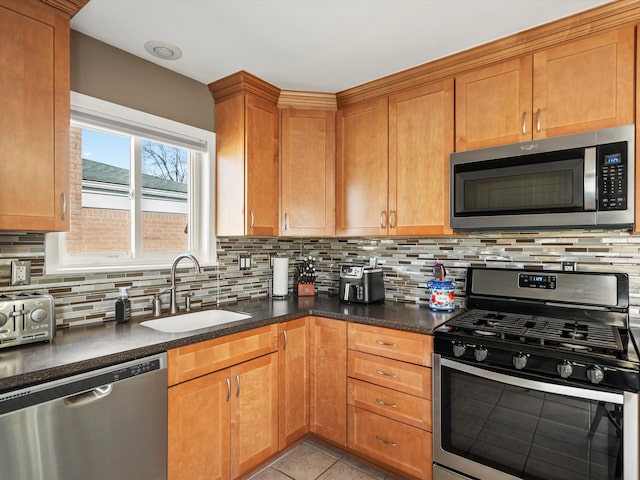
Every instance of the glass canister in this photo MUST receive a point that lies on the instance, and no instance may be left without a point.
(442, 294)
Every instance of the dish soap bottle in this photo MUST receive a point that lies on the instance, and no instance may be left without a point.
(123, 306)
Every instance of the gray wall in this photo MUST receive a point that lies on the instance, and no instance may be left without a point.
(102, 71)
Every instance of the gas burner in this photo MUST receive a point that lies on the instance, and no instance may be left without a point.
(486, 333)
(575, 331)
(488, 323)
(573, 346)
(495, 316)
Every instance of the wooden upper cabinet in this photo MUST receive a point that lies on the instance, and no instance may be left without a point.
(307, 147)
(420, 141)
(247, 170)
(362, 169)
(585, 85)
(493, 105)
(34, 117)
(578, 86)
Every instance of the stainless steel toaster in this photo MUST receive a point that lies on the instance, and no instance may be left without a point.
(361, 284)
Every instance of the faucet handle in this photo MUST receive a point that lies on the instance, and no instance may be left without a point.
(187, 301)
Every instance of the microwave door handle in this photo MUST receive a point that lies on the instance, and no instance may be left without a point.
(590, 179)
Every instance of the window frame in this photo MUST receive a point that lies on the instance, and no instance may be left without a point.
(201, 143)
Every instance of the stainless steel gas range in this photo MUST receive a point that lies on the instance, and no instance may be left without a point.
(538, 379)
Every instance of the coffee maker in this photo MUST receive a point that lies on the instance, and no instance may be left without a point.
(361, 284)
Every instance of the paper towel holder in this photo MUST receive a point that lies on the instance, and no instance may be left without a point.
(279, 279)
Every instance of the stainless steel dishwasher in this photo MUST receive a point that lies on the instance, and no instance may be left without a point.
(104, 424)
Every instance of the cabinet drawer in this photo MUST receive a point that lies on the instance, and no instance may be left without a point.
(191, 361)
(400, 446)
(399, 406)
(406, 346)
(405, 377)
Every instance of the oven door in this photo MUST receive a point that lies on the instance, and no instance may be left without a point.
(494, 426)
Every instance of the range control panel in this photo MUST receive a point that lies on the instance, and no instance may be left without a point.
(26, 318)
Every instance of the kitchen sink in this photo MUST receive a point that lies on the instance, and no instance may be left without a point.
(194, 320)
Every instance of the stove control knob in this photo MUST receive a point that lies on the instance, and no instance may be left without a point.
(595, 374)
(480, 353)
(520, 361)
(564, 369)
(459, 349)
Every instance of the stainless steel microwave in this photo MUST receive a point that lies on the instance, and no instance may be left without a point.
(574, 181)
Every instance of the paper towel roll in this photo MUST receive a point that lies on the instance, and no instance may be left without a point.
(280, 276)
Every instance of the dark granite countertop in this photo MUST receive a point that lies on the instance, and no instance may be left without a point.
(78, 349)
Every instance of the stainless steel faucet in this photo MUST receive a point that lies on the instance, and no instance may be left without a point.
(173, 306)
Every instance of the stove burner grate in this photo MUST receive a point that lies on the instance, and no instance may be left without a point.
(540, 330)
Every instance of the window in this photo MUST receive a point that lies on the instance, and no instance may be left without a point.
(141, 191)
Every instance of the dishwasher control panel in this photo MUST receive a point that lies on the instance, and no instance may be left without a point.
(26, 318)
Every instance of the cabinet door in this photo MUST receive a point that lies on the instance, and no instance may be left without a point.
(34, 117)
(307, 172)
(230, 187)
(584, 85)
(262, 177)
(328, 379)
(493, 105)
(254, 413)
(293, 372)
(362, 169)
(420, 141)
(198, 430)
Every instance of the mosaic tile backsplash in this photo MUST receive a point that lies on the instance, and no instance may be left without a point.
(407, 262)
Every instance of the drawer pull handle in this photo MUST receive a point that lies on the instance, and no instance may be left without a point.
(385, 344)
(386, 442)
(392, 375)
(385, 404)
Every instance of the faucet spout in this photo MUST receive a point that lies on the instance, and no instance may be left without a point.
(173, 307)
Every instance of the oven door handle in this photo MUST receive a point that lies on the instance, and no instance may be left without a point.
(584, 393)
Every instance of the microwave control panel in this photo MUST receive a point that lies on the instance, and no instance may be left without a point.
(612, 177)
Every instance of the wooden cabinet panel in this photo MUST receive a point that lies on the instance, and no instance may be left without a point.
(307, 172)
(584, 85)
(293, 371)
(191, 361)
(574, 87)
(199, 428)
(399, 345)
(230, 188)
(396, 405)
(34, 118)
(254, 413)
(420, 141)
(362, 169)
(402, 376)
(262, 170)
(493, 105)
(400, 446)
(328, 379)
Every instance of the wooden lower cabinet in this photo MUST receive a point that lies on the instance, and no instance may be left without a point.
(293, 385)
(382, 440)
(199, 429)
(328, 379)
(225, 423)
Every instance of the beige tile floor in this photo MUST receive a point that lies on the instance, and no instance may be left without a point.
(313, 460)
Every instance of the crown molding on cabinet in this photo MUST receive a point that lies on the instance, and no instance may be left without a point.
(68, 6)
(243, 82)
(302, 99)
(608, 16)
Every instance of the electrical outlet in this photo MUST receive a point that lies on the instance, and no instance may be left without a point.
(20, 272)
(569, 266)
(244, 261)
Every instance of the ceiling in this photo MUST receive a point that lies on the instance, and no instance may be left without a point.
(313, 45)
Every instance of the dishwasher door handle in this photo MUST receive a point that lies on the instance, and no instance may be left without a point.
(88, 397)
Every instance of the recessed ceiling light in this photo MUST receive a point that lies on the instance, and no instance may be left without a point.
(163, 50)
